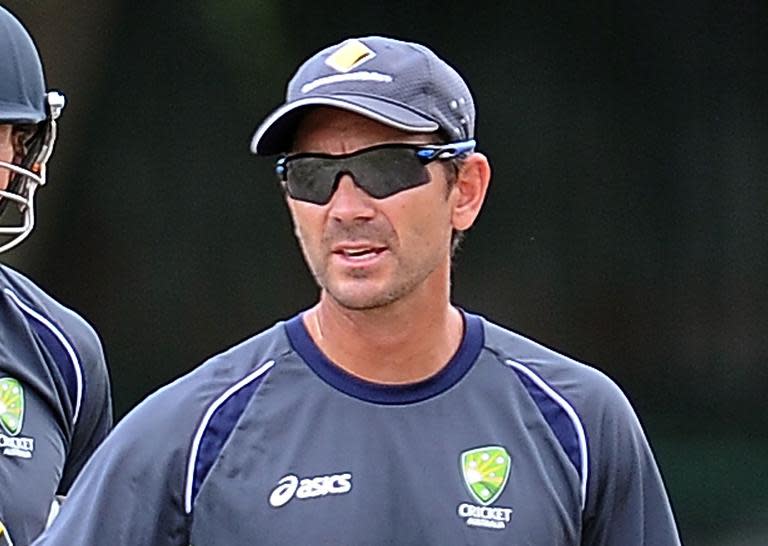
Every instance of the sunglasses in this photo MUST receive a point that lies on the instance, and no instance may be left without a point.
(381, 170)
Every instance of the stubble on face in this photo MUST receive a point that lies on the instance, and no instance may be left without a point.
(351, 288)
(361, 288)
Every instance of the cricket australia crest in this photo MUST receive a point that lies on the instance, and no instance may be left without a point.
(12, 419)
(485, 471)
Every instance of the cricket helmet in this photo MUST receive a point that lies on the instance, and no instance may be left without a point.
(26, 105)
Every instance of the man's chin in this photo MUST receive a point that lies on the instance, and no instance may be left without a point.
(361, 303)
(359, 298)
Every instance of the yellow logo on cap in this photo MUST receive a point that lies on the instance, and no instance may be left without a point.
(351, 54)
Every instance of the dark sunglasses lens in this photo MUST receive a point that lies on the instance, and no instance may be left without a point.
(311, 179)
(387, 171)
(380, 173)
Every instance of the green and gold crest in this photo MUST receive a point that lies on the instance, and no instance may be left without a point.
(486, 470)
(11, 405)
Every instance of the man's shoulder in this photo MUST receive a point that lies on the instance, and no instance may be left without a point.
(240, 360)
(184, 425)
(42, 308)
(576, 381)
(73, 344)
(182, 404)
(16, 281)
(581, 403)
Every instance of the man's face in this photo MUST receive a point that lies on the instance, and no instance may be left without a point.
(366, 252)
(6, 153)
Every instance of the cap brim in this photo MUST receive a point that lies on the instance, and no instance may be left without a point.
(275, 133)
(14, 114)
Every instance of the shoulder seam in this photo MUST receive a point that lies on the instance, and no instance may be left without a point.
(191, 463)
(62, 339)
(572, 415)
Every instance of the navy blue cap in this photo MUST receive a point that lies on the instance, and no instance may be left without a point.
(400, 84)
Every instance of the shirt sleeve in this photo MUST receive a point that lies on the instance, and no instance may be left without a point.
(627, 504)
(130, 492)
(94, 419)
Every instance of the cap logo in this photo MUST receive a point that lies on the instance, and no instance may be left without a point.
(361, 76)
(351, 54)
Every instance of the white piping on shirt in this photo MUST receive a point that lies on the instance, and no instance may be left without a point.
(574, 417)
(204, 424)
(64, 342)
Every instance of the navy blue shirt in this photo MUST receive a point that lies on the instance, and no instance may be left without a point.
(55, 404)
(270, 443)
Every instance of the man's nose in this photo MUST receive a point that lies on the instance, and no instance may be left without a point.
(350, 202)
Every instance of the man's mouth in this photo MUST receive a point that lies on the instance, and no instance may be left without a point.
(359, 252)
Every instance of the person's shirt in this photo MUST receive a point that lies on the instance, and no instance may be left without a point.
(270, 443)
(55, 404)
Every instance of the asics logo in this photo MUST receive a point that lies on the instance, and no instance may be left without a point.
(308, 488)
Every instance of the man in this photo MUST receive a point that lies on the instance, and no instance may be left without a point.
(55, 404)
(383, 414)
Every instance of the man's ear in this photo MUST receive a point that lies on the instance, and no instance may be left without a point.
(471, 186)
(19, 139)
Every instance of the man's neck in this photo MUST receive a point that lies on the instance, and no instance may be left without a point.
(396, 344)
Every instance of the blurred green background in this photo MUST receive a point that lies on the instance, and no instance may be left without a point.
(625, 226)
